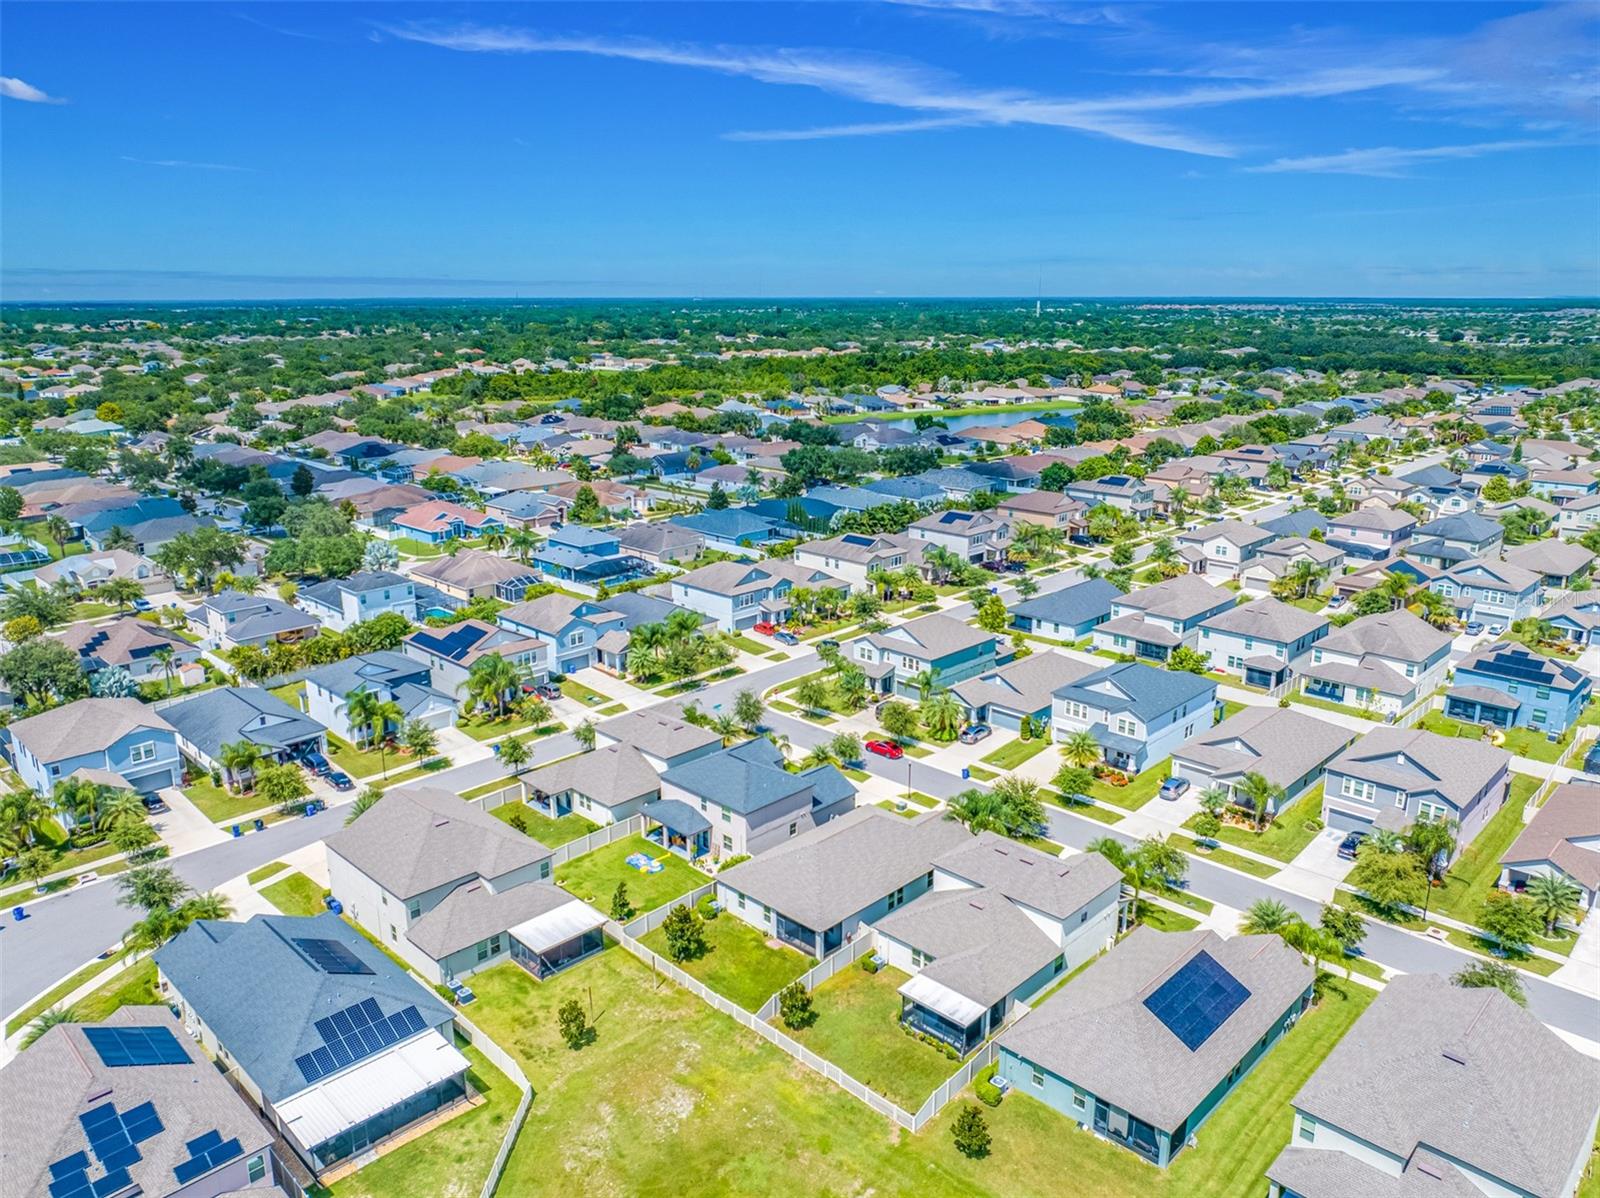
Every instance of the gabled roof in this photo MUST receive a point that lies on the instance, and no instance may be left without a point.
(377, 671)
(1514, 578)
(1550, 557)
(1267, 619)
(472, 568)
(657, 733)
(1414, 760)
(610, 775)
(931, 637)
(736, 578)
(122, 641)
(749, 777)
(1071, 605)
(1180, 598)
(217, 717)
(1516, 663)
(417, 838)
(1024, 685)
(1465, 526)
(553, 613)
(1235, 532)
(1280, 744)
(1135, 687)
(87, 726)
(1465, 1073)
(1057, 886)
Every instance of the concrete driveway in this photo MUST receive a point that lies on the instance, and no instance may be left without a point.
(184, 827)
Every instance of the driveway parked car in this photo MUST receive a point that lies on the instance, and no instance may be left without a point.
(786, 638)
(886, 748)
(545, 690)
(765, 628)
(318, 764)
(155, 805)
(1349, 845)
(1474, 628)
(1174, 788)
(1496, 629)
(143, 605)
(973, 733)
(340, 780)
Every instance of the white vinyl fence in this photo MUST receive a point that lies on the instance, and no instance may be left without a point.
(515, 793)
(840, 958)
(651, 920)
(610, 834)
(503, 1061)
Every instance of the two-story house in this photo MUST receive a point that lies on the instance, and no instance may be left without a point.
(1508, 686)
(573, 553)
(341, 602)
(120, 737)
(1260, 642)
(1450, 540)
(1562, 487)
(1577, 517)
(1279, 559)
(1383, 662)
(855, 557)
(1558, 563)
(232, 618)
(1491, 592)
(1137, 713)
(741, 594)
(569, 627)
(1223, 548)
(749, 801)
(1371, 533)
(452, 651)
(974, 537)
(1152, 622)
(389, 675)
(1121, 491)
(1393, 777)
(937, 647)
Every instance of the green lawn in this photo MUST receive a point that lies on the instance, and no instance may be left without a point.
(858, 1029)
(453, 1158)
(290, 693)
(1476, 870)
(358, 763)
(1165, 920)
(1012, 754)
(740, 963)
(295, 895)
(58, 992)
(1284, 837)
(548, 832)
(266, 871)
(594, 876)
(220, 805)
(1231, 707)
(1247, 865)
(1328, 705)
(135, 987)
(583, 694)
(1136, 793)
(1094, 811)
(1521, 741)
(745, 644)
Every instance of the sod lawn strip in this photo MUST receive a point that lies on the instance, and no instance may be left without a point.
(1284, 837)
(739, 962)
(295, 895)
(549, 832)
(594, 876)
(1259, 869)
(1009, 756)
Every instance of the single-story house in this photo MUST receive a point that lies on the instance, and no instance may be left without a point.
(229, 714)
(1068, 614)
(1019, 690)
(605, 785)
(1288, 748)
(133, 645)
(475, 573)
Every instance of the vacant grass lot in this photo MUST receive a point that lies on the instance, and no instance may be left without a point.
(548, 832)
(295, 895)
(1284, 837)
(858, 1029)
(739, 963)
(621, 1116)
(594, 876)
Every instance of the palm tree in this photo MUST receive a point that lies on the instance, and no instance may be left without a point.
(1554, 898)
(1433, 607)
(1538, 631)
(238, 759)
(726, 727)
(1262, 796)
(925, 681)
(121, 807)
(522, 542)
(58, 530)
(164, 657)
(1386, 841)
(851, 687)
(1165, 558)
(1266, 917)
(367, 799)
(941, 716)
(26, 811)
(1081, 749)
(490, 680)
(979, 810)
(360, 707)
(209, 905)
(122, 591)
(46, 1020)
(77, 799)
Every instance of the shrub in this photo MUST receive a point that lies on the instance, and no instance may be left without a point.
(985, 1090)
(686, 934)
(1314, 824)
(517, 821)
(794, 1004)
(869, 964)
(621, 907)
(971, 1133)
(1283, 702)
(737, 859)
(575, 1029)
(1208, 826)
(709, 908)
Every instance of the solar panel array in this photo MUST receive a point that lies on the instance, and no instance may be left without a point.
(206, 1152)
(355, 1033)
(122, 1046)
(331, 956)
(113, 1139)
(1521, 666)
(455, 644)
(1194, 1002)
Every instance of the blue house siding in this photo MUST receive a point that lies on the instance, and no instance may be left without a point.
(1541, 708)
(954, 668)
(161, 770)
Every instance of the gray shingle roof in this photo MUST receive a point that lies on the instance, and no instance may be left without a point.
(1280, 744)
(657, 734)
(840, 867)
(1570, 814)
(417, 838)
(1180, 598)
(983, 947)
(751, 776)
(1144, 690)
(1266, 619)
(262, 996)
(1235, 532)
(610, 775)
(1024, 685)
(472, 912)
(44, 1091)
(1467, 1073)
(931, 637)
(1414, 760)
(1464, 526)
(1057, 886)
(1395, 634)
(86, 726)
(1319, 1173)
(472, 568)
(367, 671)
(232, 713)
(1071, 605)
(1097, 1033)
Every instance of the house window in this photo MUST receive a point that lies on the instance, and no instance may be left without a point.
(1411, 671)
(257, 1167)
(741, 902)
(544, 870)
(393, 935)
(1542, 693)
(1354, 788)
(898, 897)
(794, 827)
(143, 752)
(414, 910)
(1432, 812)
(1316, 655)
(919, 959)
(908, 663)
(1126, 726)
(1080, 1100)
(727, 816)
(1038, 1078)
(1120, 642)
(727, 843)
(1539, 715)
(1400, 798)
(1308, 1129)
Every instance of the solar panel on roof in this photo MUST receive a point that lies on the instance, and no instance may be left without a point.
(78, 1162)
(331, 956)
(204, 1142)
(112, 1183)
(370, 1032)
(1196, 1000)
(119, 1047)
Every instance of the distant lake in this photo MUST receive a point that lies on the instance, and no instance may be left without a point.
(1000, 418)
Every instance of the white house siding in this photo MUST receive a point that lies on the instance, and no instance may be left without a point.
(721, 608)
(855, 573)
(597, 812)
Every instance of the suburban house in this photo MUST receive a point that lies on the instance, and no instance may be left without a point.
(1563, 839)
(1383, 662)
(856, 557)
(131, 644)
(1393, 777)
(1221, 549)
(87, 571)
(605, 785)
(1129, 495)
(341, 602)
(338, 1047)
(438, 520)
(528, 509)
(826, 886)
(735, 531)
(1144, 1045)
(474, 573)
(231, 619)
(999, 923)
(1152, 622)
(1137, 713)
(230, 714)
(569, 628)
(933, 647)
(1577, 617)
(1578, 516)
(133, 1100)
(1021, 689)
(1561, 487)
(1451, 540)
(1445, 1091)
(118, 737)
(1068, 614)
(974, 537)
(1507, 686)
(574, 553)
(1049, 508)
(742, 800)
(389, 675)
(452, 651)
(1286, 747)
(453, 890)
(739, 594)
(1371, 533)
(1490, 592)
(1278, 560)
(660, 543)
(1261, 641)
(1558, 563)
(664, 740)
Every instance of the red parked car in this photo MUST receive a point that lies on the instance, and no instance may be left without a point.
(886, 748)
(764, 628)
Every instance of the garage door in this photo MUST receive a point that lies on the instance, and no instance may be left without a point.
(1345, 821)
(1008, 721)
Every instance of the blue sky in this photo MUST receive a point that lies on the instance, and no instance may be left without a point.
(925, 147)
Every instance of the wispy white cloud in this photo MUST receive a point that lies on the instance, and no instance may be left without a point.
(17, 89)
(182, 164)
(1044, 11)
(1390, 162)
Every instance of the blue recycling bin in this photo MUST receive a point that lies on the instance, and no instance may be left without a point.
(236, 830)
(18, 914)
(965, 773)
(260, 825)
